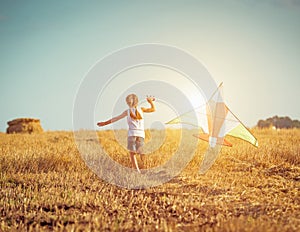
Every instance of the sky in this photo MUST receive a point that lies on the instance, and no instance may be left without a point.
(48, 47)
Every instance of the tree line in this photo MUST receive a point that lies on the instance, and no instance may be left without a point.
(279, 122)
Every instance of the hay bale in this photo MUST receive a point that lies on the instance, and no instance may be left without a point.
(24, 125)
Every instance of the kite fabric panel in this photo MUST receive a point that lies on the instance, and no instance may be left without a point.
(216, 121)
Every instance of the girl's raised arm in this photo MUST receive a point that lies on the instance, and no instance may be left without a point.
(114, 119)
(152, 108)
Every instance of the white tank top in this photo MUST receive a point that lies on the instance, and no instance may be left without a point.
(135, 127)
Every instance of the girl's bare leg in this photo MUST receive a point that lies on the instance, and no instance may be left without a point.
(142, 156)
(143, 160)
(134, 161)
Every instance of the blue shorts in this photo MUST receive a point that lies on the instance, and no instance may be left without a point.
(135, 143)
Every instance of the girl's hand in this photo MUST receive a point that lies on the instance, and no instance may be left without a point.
(101, 124)
(150, 98)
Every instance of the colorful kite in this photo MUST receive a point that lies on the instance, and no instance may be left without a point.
(215, 121)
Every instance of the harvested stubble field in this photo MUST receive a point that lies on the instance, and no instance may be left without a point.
(45, 185)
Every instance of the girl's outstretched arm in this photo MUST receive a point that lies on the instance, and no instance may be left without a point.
(114, 119)
(152, 108)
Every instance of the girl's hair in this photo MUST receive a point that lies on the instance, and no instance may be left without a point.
(132, 101)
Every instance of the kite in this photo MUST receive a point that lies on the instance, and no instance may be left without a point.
(216, 121)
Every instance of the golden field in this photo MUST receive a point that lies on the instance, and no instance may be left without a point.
(46, 185)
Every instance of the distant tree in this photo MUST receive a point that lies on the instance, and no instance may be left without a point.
(264, 124)
(279, 122)
(296, 124)
(283, 122)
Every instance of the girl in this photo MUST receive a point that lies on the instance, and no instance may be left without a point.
(135, 120)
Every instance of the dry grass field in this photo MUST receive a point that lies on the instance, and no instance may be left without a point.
(45, 185)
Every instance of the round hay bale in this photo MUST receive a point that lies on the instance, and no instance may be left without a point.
(24, 125)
